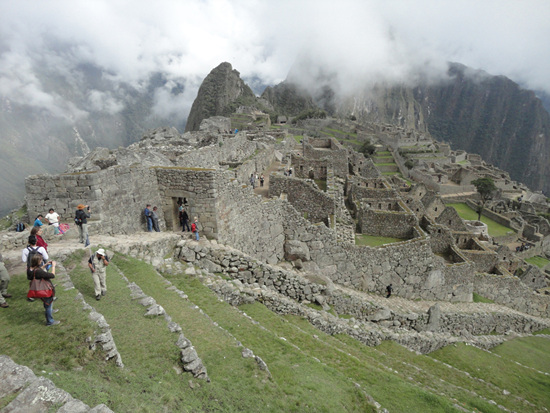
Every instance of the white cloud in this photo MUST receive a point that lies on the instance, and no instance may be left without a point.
(353, 39)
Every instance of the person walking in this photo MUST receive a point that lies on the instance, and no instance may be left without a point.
(36, 271)
(81, 221)
(155, 218)
(98, 266)
(389, 290)
(195, 228)
(185, 220)
(4, 282)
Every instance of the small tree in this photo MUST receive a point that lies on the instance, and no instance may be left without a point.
(485, 188)
(367, 148)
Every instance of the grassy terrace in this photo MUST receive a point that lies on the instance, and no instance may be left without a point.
(539, 261)
(308, 369)
(372, 241)
(467, 213)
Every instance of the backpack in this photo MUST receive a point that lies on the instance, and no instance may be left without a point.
(20, 227)
(32, 253)
(193, 227)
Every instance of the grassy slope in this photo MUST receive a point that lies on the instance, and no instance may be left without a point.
(310, 370)
(467, 213)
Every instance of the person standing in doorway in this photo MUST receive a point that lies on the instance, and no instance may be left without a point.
(185, 220)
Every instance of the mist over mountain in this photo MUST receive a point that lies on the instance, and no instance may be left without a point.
(84, 105)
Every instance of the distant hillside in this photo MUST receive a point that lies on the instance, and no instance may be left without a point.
(489, 115)
(37, 141)
(492, 116)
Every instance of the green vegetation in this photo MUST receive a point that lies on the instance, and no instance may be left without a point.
(485, 188)
(8, 221)
(539, 261)
(308, 369)
(310, 114)
(480, 299)
(467, 213)
(373, 241)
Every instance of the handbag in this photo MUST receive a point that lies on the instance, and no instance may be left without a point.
(40, 288)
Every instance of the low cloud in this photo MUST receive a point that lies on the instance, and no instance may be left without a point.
(352, 42)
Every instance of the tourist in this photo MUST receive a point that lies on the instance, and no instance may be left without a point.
(184, 220)
(38, 221)
(36, 271)
(33, 249)
(195, 228)
(98, 264)
(155, 218)
(262, 180)
(252, 180)
(37, 232)
(81, 221)
(389, 290)
(148, 217)
(53, 219)
(4, 282)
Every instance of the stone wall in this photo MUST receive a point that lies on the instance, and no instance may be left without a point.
(117, 196)
(327, 149)
(198, 187)
(511, 292)
(313, 203)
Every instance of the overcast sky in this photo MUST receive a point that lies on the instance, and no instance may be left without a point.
(185, 39)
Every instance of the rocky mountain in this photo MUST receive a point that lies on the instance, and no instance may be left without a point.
(492, 116)
(220, 94)
(489, 115)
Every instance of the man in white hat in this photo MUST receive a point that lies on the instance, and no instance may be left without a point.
(98, 264)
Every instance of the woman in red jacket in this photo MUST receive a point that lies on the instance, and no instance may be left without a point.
(37, 231)
(36, 271)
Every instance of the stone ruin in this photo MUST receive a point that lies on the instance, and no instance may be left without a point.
(314, 228)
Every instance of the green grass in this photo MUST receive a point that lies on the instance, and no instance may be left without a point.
(310, 370)
(467, 213)
(539, 261)
(504, 372)
(373, 241)
(480, 299)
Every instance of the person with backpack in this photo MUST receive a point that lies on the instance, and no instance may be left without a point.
(98, 266)
(195, 228)
(81, 221)
(36, 271)
(32, 249)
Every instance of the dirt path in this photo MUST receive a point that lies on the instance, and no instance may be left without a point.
(263, 190)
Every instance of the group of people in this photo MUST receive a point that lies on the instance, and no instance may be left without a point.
(152, 218)
(51, 218)
(40, 267)
(184, 222)
(255, 178)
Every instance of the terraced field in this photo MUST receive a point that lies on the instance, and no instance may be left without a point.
(295, 366)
